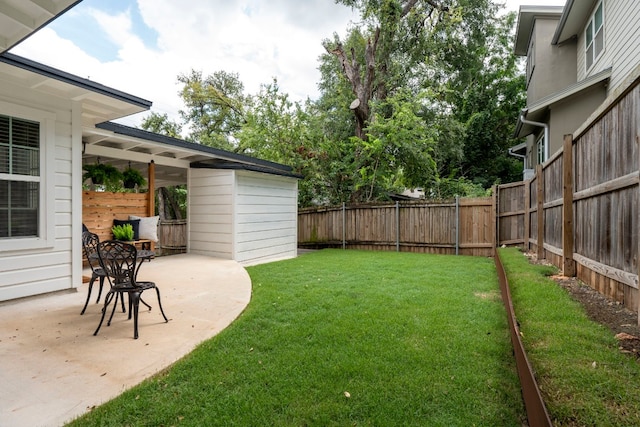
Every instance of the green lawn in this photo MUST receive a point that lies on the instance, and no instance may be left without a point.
(583, 377)
(346, 338)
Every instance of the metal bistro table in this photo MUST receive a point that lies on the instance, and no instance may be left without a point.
(142, 256)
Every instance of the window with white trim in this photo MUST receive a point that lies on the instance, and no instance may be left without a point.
(27, 177)
(19, 177)
(594, 36)
(540, 149)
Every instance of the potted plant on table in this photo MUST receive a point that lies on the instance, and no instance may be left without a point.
(122, 232)
(132, 177)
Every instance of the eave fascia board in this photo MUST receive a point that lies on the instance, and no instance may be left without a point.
(71, 79)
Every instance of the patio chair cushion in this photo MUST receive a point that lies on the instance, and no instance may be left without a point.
(135, 224)
(148, 227)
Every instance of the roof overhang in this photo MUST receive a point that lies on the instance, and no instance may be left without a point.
(574, 16)
(536, 112)
(526, 20)
(99, 103)
(173, 157)
(21, 18)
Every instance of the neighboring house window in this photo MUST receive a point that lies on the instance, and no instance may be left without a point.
(19, 177)
(540, 149)
(594, 36)
(531, 64)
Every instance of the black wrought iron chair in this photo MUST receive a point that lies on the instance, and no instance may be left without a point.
(118, 259)
(90, 249)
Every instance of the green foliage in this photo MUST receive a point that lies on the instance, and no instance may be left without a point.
(122, 232)
(215, 107)
(160, 123)
(102, 174)
(438, 89)
(132, 177)
(448, 188)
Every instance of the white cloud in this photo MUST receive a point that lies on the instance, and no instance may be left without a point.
(258, 41)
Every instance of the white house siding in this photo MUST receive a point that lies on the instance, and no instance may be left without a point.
(26, 272)
(266, 217)
(621, 47)
(211, 212)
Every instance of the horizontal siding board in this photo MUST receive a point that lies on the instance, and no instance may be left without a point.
(266, 217)
(35, 271)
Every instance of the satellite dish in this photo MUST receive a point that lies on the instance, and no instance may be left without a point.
(355, 104)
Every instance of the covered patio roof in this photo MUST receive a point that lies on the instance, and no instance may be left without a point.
(119, 144)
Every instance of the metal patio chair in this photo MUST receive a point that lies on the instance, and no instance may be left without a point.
(90, 249)
(118, 260)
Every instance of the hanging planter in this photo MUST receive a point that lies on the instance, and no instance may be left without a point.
(132, 177)
(101, 174)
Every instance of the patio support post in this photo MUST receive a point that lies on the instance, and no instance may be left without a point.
(568, 265)
(151, 180)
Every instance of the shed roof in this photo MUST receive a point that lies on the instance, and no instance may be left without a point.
(163, 149)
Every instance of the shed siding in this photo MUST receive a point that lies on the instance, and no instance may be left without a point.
(266, 218)
(211, 212)
(621, 47)
(35, 271)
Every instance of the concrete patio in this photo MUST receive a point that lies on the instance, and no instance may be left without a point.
(52, 367)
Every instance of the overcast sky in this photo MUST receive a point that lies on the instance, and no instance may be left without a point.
(140, 47)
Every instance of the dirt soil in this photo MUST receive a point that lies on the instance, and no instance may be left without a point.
(620, 320)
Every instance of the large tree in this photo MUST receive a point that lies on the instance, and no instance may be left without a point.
(377, 58)
(214, 107)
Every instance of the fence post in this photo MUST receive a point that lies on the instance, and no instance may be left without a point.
(457, 224)
(344, 225)
(568, 265)
(495, 212)
(540, 212)
(397, 226)
(527, 213)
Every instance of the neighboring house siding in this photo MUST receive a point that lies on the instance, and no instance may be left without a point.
(266, 217)
(27, 272)
(211, 212)
(554, 65)
(621, 47)
(568, 115)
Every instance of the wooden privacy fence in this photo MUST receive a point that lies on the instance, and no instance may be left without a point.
(580, 211)
(100, 208)
(463, 226)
